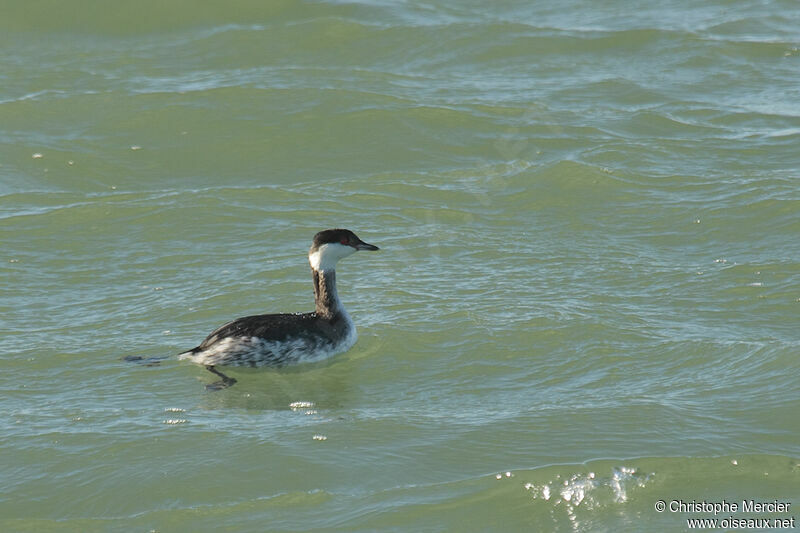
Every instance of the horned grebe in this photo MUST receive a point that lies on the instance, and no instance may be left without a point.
(286, 338)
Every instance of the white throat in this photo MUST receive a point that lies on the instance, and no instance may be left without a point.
(326, 256)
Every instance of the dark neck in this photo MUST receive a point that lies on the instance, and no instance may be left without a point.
(325, 293)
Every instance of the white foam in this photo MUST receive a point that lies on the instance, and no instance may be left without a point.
(587, 488)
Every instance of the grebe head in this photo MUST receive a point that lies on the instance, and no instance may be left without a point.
(333, 244)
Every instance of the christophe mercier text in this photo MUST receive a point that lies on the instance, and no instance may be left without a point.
(746, 506)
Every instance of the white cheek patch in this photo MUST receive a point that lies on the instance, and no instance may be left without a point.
(327, 255)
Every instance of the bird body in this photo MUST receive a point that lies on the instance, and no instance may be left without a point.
(289, 338)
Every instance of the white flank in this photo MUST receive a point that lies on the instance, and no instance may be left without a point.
(244, 351)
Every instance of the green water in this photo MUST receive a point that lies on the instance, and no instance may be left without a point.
(586, 298)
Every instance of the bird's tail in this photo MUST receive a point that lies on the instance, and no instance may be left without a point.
(189, 354)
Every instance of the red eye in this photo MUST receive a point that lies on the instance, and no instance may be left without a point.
(344, 241)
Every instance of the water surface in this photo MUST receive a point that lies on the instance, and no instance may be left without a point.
(586, 298)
